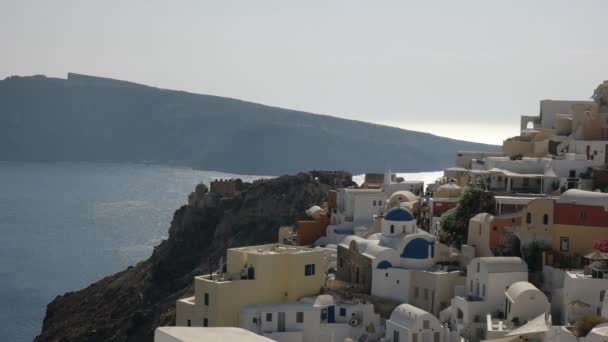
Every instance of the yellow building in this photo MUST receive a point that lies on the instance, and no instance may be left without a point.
(255, 274)
(537, 222)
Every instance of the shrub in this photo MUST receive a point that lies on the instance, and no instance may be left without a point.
(473, 201)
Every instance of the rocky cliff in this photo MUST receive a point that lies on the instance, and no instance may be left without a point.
(129, 305)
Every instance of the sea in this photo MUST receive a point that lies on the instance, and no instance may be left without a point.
(66, 225)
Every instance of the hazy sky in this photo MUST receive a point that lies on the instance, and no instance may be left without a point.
(464, 69)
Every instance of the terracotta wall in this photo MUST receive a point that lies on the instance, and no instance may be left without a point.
(332, 199)
(496, 226)
(311, 231)
(441, 207)
(570, 214)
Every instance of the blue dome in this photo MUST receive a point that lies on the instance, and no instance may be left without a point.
(399, 214)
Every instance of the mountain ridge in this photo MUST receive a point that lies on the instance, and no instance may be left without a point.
(89, 118)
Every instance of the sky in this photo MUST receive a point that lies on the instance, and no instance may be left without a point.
(462, 69)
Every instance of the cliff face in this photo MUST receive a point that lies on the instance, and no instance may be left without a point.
(129, 305)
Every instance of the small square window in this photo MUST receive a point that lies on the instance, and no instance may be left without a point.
(207, 299)
(582, 216)
(269, 317)
(299, 317)
(309, 270)
(426, 324)
(342, 312)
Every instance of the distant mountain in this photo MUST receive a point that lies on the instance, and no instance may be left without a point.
(85, 118)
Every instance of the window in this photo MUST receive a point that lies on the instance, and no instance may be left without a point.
(545, 219)
(189, 323)
(483, 290)
(340, 262)
(207, 299)
(564, 244)
(309, 270)
(395, 336)
(426, 324)
(528, 218)
(342, 312)
(374, 203)
(255, 320)
(582, 216)
(426, 294)
(478, 266)
(416, 292)
(269, 317)
(299, 317)
(392, 228)
(436, 337)
(572, 173)
(414, 337)
(205, 322)
(499, 178)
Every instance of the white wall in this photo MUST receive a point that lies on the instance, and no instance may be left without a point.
(585, 289)
(392, 283)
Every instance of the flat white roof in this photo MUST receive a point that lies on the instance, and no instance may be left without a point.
(275, 249)
(191, 334)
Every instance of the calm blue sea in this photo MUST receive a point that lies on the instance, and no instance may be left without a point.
(65, 225)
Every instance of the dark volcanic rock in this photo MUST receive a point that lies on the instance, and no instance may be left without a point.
(129, 305)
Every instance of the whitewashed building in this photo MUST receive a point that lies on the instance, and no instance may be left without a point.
(313, 319)
(192, 334)
(360, 205)
(411, 324)
(486, 282)
(523, 303)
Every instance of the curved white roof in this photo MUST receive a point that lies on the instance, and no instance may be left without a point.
(482, 217)
(583, 197)
(410, 197)
(600, 330)
(324, 300)
(406, 315)
(450, 186)
(519, 288)
(504, 264)
(370, 248)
